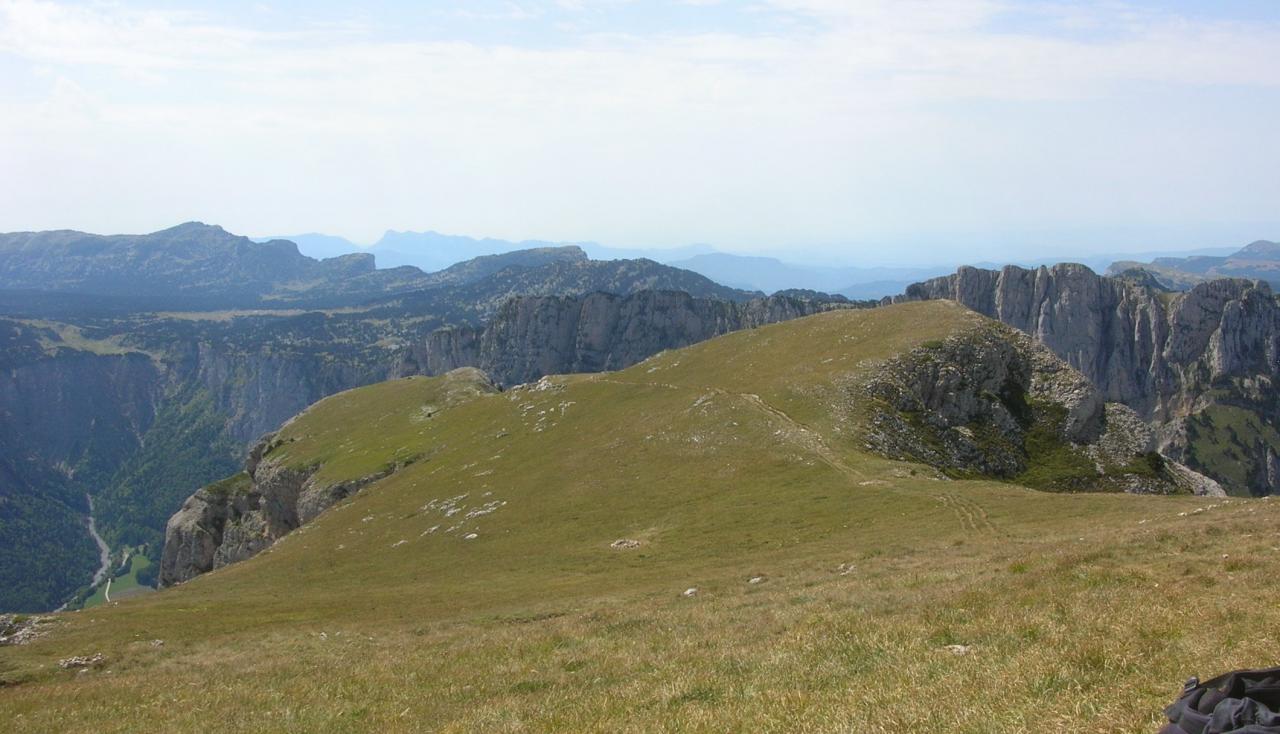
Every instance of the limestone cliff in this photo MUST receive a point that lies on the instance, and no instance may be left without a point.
(990, 401)
(1167, 356)
(237, 518)
(534, 336)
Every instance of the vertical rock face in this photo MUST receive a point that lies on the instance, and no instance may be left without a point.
(1164, 355)
(541, 335)
(259, 390)
(62, 406)
(239, 517)
(992, 401)
(64, 421)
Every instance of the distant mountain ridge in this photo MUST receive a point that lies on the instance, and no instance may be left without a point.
(431, 251)
(196, 266)
(434, 251)
(770, 275)
(192, 260)
(1259, 260)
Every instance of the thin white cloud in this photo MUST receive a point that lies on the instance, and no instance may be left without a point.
(656, 137)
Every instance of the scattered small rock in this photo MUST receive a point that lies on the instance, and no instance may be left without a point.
(958, 649)
(756, 580)
(157, 643)
(690, 592)
(19, 629)
(81, 661)
(470, 536)
(624, 544)
(844, 569)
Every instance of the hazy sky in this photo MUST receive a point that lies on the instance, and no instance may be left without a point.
(892, 131)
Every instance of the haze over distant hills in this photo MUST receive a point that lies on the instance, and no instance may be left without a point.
(431, 251)
(768, 273)
(1257, 261)
(201, 266)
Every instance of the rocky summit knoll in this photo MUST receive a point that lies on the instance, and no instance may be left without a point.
(1200, 365)
(984, 401)
(704, 537)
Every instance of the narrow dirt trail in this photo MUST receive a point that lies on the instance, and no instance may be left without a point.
(971, 515)
(802, 435)
(808, 438)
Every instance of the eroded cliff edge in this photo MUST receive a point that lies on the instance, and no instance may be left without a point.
(532, 336)
(1200, 366)
(278, 492)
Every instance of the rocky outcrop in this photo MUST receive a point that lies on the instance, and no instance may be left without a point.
(1148, 349)
(966, 402)
(990, 401)
(1164, 355)
(531, 336)
(239, 517)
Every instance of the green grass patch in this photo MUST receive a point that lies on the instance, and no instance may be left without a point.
(726, 460)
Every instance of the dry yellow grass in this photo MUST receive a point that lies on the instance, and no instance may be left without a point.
(1079, 612)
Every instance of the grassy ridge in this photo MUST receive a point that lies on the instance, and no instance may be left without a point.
(732, 460)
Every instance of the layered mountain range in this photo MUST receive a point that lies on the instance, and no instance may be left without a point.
(196, 266)
(138, 409)
(1257, 261)
(736, 534)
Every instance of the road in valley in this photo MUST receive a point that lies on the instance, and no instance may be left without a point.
(103, 551)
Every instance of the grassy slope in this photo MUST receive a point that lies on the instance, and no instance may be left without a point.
(731, 459)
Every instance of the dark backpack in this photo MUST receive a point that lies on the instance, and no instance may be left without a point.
(1242, 702)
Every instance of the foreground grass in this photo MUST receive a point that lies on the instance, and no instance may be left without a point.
(1088, 632)
(1080, 612)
